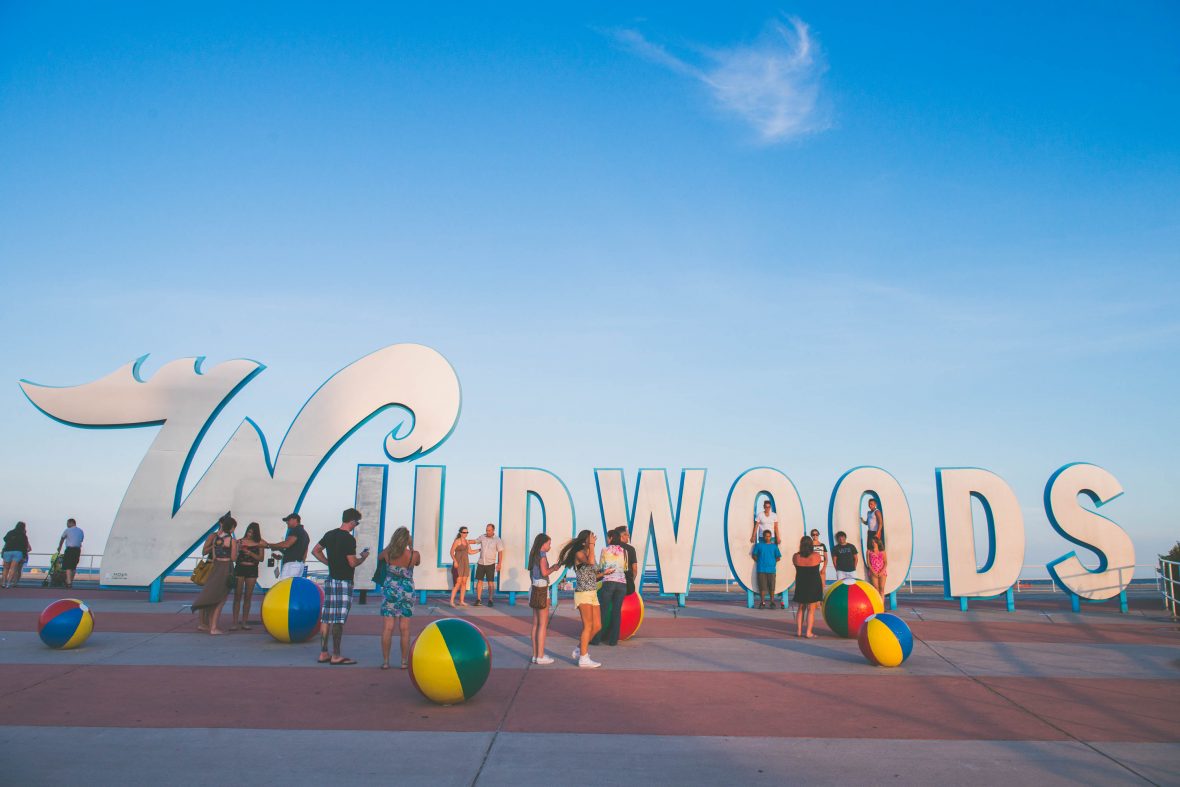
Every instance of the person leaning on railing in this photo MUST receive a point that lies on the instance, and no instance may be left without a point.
(16, 553)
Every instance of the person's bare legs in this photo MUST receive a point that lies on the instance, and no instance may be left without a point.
(404, 635)
(463, 582)
(8, 572)
(595, 623)
(811, 618)
(237, 601)
(386, 640)
(203, 620)
(248, 602)
(798, 619)
(18, 571)
(540, 628)
(588, 627)
(455, 589)
(215, 619)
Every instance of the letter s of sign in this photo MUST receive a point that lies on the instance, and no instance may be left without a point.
(155, 526)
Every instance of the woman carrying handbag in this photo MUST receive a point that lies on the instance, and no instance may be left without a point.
(221, 547)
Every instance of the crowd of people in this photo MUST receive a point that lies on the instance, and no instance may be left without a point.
(602, 578)
(811, 563)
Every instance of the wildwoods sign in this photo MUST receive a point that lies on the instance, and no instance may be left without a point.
(156, 525)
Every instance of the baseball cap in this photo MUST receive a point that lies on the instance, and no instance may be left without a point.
(296, 517)
(350, 515)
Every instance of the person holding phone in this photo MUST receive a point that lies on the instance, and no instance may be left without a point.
(579, 554)
(251, 548)
(338, 550)
(539, 573)
(399, 559)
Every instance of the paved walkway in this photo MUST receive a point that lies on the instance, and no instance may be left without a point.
(711, 693)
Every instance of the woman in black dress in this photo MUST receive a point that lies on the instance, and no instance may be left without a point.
(809, 588)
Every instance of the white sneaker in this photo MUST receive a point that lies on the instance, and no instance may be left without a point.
(543, 660)
(587, 662)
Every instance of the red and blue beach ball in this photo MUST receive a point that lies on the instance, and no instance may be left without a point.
(291, 609)
(885, 640)
(65, 624)
(848, 603)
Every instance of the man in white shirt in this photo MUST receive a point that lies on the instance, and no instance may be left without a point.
(491, 556)
(72, 537)
(767, 520)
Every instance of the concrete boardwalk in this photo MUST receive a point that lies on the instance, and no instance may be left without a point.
(712, 693)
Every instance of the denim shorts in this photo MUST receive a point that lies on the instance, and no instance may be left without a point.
(13, 556)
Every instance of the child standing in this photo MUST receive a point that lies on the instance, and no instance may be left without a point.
(877, 562)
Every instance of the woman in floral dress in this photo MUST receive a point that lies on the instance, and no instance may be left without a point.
(398, 588)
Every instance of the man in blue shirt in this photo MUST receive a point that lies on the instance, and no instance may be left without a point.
(766, 555)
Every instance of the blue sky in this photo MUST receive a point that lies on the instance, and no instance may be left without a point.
(807, 237)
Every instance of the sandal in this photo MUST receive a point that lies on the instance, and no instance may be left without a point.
(385, 665)
(343, 662)
(405, 665)
(322, 660)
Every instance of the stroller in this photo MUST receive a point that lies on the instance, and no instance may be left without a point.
(55, 577)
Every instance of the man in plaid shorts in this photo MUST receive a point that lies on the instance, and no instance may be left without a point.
(342, 560)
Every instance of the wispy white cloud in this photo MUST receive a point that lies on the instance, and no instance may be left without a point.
(773, 84)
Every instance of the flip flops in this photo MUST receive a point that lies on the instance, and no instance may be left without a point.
(343, 662)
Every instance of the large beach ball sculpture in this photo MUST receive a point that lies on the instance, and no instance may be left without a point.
(631, 617)
(291, 609)
(65, 624)
(450, 661)
(885, 640)
(847, 603)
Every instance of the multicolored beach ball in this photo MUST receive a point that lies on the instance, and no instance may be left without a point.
(65, 624)
(450, 661)
(847, 603)
(631, 617)
(885, 640)
(291, 609)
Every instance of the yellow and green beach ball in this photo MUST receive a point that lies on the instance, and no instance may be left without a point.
(291, 609)
(450, 661)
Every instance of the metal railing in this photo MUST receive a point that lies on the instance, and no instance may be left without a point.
(1167, 581)
(1032, 576)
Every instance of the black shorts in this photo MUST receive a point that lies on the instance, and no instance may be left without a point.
(246, 570)
(485, 573)
(70, 558)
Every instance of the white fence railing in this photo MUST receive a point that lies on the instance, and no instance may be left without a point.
(1167, 581)
(1033, 576)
